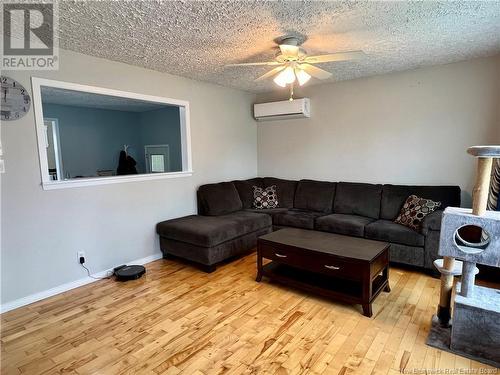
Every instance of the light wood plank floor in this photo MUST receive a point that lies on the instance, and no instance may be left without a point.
(177, 319)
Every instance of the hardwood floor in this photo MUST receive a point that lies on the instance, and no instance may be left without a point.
(177, 319)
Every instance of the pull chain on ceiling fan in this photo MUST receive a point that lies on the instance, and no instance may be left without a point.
(292, 64)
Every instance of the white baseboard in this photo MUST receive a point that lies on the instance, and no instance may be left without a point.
(68, 286)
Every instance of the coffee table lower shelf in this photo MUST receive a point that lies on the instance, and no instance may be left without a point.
(340, 289)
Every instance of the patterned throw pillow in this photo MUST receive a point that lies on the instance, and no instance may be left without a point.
(265, 198)
(414, 210)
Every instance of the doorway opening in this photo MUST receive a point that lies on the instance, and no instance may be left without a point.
(53, 145)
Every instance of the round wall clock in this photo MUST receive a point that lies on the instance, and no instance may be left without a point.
(15, 101)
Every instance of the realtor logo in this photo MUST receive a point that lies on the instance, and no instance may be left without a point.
(29, 36)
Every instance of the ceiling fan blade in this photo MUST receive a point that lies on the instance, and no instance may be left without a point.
(271, 73)
(315, 71)
(269, 63)
(339, 56)
(288, 50)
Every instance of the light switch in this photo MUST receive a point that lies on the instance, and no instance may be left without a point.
(2, 166)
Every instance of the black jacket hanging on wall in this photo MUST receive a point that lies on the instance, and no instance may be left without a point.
(126, 164)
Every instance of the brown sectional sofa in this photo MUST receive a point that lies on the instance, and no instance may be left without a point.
(227, 225)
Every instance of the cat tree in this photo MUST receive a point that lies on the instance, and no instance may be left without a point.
(473, 237)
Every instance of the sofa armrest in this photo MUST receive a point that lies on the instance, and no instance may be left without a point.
(432, 222)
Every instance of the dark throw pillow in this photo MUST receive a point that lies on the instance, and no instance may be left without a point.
(264, 198)
(414, 210)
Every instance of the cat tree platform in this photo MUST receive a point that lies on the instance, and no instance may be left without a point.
(479, 313)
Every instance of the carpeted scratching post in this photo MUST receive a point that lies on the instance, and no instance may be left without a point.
(472, 236)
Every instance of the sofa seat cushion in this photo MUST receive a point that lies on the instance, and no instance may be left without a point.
(218, 199)
(208, 231)
(351, 225)
(268, 211)
(386, 230)
(296, 218)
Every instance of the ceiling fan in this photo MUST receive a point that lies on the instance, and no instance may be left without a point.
(293, 64)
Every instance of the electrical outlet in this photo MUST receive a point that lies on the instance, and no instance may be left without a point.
(80, 254)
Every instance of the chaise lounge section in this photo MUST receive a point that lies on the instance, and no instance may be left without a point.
(227, 225)
(222, 229)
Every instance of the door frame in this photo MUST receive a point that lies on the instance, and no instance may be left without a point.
(167, 165)
(57, 145)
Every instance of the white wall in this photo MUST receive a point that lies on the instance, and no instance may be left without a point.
(404, 128)
(498, 104)
(113, 224)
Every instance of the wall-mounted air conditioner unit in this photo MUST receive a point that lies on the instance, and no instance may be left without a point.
(287, 109)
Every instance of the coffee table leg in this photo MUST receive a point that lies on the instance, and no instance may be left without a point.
(259, 265)
(367, 294)
(367, 310)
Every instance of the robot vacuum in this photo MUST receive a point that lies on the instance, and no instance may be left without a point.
(133, 272)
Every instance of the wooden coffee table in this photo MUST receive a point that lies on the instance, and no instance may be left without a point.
(348, 269)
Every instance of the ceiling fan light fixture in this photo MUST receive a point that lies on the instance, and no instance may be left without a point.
(279, 82)
(285, 77)
(302, 76)
(293, 65)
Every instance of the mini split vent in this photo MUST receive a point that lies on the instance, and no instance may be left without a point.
(287, 109)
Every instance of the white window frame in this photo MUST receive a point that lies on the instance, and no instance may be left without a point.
(48, 184)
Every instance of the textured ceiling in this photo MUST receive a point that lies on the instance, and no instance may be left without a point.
(196, 39)
(52, 95)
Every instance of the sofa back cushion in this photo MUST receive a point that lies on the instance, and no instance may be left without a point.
(314, 195)
(394, 196)
(245, 190)
(358, 199)
(285, 190)
(218, 199)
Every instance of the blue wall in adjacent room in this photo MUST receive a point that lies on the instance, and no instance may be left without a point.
(154, 132)
(91, 139)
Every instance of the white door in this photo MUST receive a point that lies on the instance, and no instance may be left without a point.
(157, 158)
